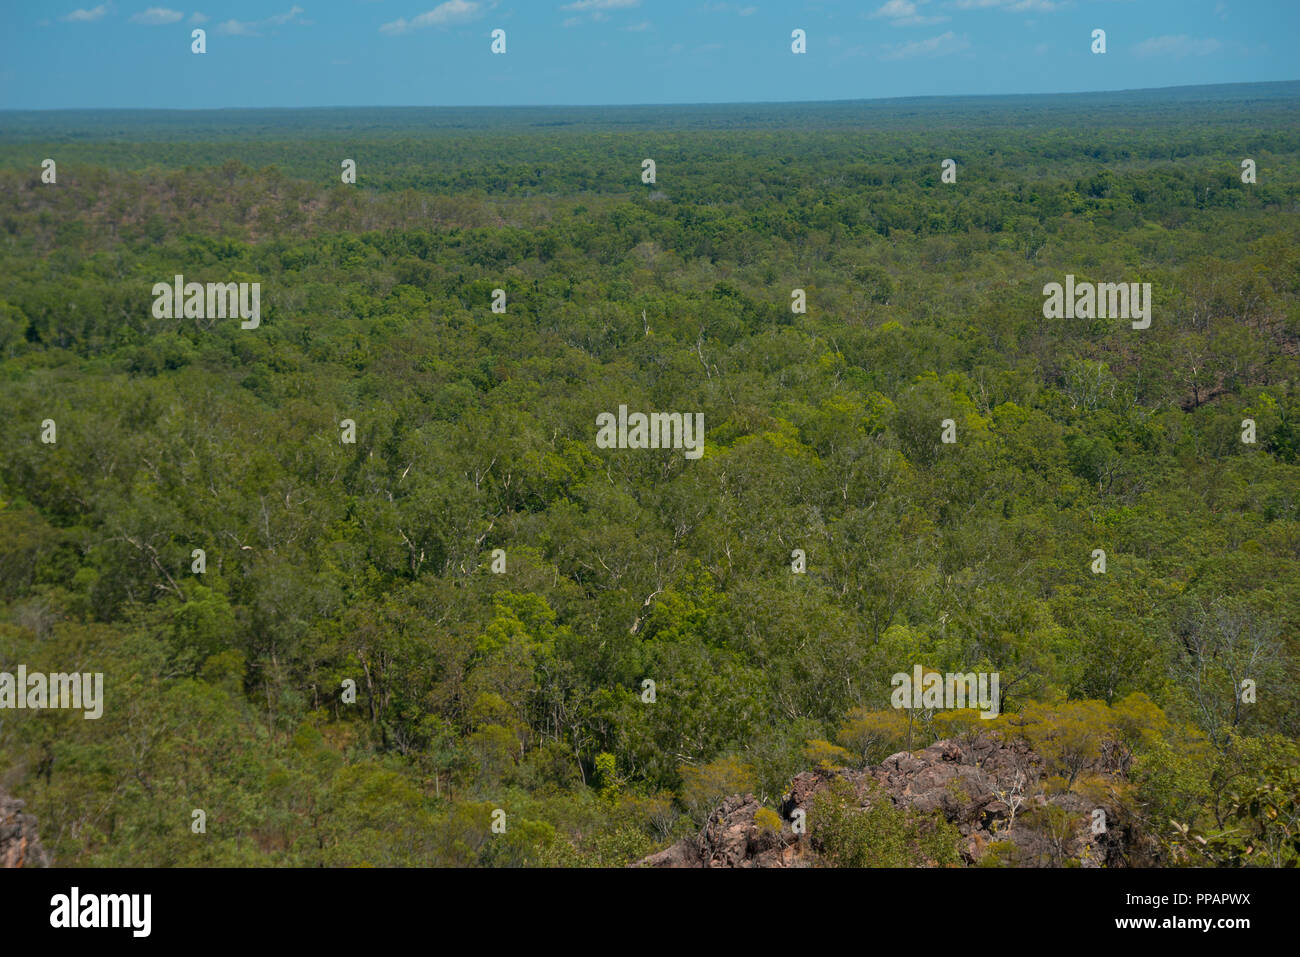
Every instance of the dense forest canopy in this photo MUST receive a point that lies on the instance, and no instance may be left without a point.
(371, 562)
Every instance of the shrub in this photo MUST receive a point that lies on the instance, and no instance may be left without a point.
(879, 835)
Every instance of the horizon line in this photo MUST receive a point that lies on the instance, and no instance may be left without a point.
(607, 106)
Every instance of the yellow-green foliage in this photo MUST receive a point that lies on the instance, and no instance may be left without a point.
(999, 854)
(524, 843)
(607, 773)
(767, 821)
(494, 749)
(703, 786)
(1138, 721)
(1055, 784)
(879, 835)
(961, 724)
(1255, 818)
(826, 756)
(1072, 735)
(873, 735)
(658, 812)
(1103, 790)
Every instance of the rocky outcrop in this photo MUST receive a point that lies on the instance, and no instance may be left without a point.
(731, 838)
(993, 790)
(19, 845)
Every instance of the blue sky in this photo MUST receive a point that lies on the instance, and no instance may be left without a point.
(119, 53)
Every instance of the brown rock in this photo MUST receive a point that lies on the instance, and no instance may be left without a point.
(19, 845)
(989, 787)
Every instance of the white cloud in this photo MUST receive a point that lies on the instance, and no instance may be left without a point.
(906, 13)
(584, 5)
(156, 16)
(197, 17)
(945, 44)
(444, 14)
(1177, 45)
(286, 17)
(597, 10)
(85, 16)
(1011, 6)
(252, 28)
(236, 28)
(638, 27)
